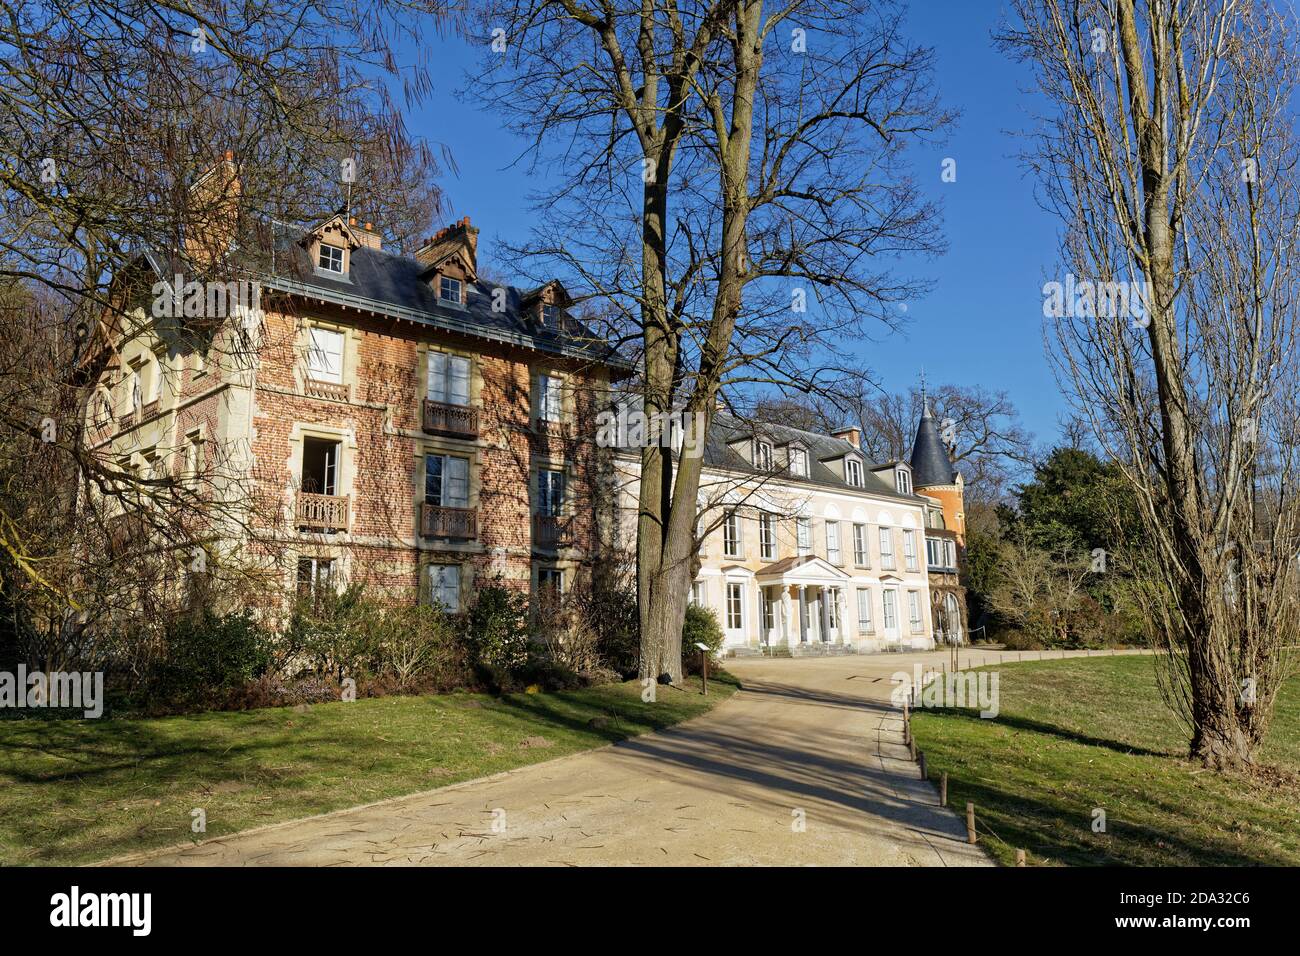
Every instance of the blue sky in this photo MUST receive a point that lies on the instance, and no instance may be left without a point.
(981, 324)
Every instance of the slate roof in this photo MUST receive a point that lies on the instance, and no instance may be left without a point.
(727, 428)
(390, 284)
(930, 464)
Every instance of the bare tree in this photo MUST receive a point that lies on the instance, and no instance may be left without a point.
(1169, 153)
(734, 178)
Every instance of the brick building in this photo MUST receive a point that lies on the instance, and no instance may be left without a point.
(378, 418)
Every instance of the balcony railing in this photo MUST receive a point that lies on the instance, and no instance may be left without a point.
(446, 419)
(550, 531)
(322, 512)
(151, 409)
(331, 390)
(439, 522)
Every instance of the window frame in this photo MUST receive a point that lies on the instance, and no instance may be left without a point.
(316, 374)
(803, 536)
(853, 472)
(444, 284)
(867, 623)
(766, 536)
(834, 554)
(909, 550)
(433, 593)
(448, 361)
(733, 545)
(445, 477)
(888, 560)
(333, 249)
(861, 547)
(736, 591)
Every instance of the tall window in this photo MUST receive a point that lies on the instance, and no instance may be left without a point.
(735, 599)
(448, 378)
(698, 594)
(325, 355)
(799, 462)
(731, 535)
(887, 548)
(803, 535)
(766, 537)
(763, 455)
(864, 610)
(889, 596)
(549, 405)
(331, 259)
(860, 556)
(313, 576)
(909, 549)
(933, 552)
(854, 471)
(446, 481)
(833, 542)
(137, 389)
(914, 611)
(444, 586)
(194, 453)
(903, 481)
(550, 583)
(449, 290)
(950, 552)
(550, 493)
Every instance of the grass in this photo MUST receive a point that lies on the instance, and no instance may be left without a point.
(1076, 735)
(76, 791)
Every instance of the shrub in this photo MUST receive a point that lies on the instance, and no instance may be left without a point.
(331, 632)
(496, 630)
(418, 647)
(206, 655)
(700, 627)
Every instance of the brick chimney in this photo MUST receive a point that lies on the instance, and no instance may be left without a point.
(851, 435)
(366, 233)
(445, 241)
(214, 211)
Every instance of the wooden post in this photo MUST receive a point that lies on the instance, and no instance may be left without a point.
(911, 746)
(704, 664)
(921, 759)
(970, 822)
(907, 725)
(1020, 858)
(943, 789)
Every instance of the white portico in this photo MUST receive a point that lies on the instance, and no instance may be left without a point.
(802, 601)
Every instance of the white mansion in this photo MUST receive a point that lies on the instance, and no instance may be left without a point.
(812, 548)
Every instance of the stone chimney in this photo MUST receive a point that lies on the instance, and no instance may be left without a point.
(851, 435)
(446, 240)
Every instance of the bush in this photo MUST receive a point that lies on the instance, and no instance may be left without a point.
(496, 630)
(331, 633)
(700, 627)
(205, 656)
(418, 648)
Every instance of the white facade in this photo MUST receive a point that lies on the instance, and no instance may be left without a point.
(809, 565)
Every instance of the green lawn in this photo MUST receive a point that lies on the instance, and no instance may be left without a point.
(1080, 734)
(77, 791)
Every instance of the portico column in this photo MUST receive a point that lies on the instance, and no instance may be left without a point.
(824, 606)
(803, 614)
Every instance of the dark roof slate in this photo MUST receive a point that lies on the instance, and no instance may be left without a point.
(930, 464)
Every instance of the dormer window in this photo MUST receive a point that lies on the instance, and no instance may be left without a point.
(331, 259)
(853, 472)
(903, 481)
(449, 290)
(763, 455)
(551, 316)
(799, 462)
